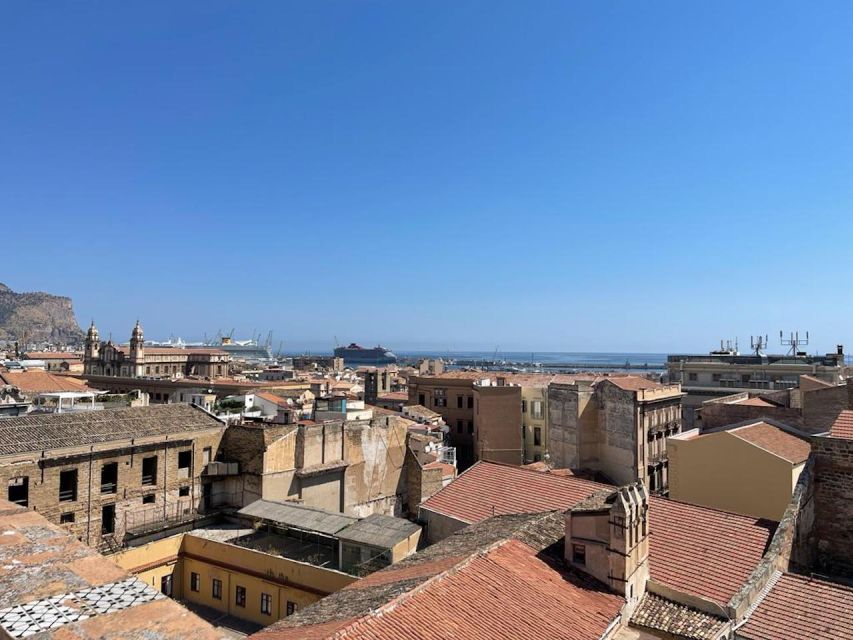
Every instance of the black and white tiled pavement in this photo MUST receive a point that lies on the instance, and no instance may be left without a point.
(34, 617)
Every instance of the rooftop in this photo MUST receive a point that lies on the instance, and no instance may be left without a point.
(776, 440)
(39, 432)
(695, 549)
(496, 579)
(379, 530)
(679, 620)
(843, 426)
(291, 514)
(755, 402)
(55, 586)
(40, 381)
(488, 489)
(798, 608)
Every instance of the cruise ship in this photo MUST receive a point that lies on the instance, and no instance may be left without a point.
(357, 355)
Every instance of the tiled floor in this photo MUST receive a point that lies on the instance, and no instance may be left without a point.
(34, 617)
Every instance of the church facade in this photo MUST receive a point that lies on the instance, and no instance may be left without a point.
(135, 360)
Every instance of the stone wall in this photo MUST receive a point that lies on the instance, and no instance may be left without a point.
(833, 491)
(717, 414)
(822, 406)
(563, 428)
(43, 482)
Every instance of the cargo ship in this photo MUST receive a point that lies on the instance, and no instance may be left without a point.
(357, 355)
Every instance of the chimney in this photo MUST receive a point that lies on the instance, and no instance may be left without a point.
(607, 537)
(839, 349)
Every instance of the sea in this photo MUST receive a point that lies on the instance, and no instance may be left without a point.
(571, 359)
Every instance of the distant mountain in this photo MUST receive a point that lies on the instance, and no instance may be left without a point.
(37, 317)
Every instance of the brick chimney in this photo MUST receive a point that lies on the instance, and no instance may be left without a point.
(607, 537)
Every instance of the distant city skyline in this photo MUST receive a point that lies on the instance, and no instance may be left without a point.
(544, 176)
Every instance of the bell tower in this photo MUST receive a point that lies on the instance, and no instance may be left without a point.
(137, 350)
(91, 348)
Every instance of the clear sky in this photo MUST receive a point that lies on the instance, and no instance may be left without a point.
(589, 175)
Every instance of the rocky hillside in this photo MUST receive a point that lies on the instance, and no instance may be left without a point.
(37, 317)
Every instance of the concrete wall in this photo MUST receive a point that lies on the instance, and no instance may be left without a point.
(457, 418)
(438, 526)
(497, 424)
(283, 579)
(374, 481)
(723, 471)
(618, 435)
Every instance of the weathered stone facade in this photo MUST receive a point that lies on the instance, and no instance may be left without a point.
(354, 467)
(833, 488)
(615, 429)
(103, 490)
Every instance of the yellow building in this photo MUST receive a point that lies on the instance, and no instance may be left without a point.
(749, 468)
(246, 583)
(534, 416)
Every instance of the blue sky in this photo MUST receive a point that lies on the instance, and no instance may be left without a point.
(587, 176)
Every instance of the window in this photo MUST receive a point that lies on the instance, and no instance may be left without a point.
(693, 377)
(459, 401)
(240, 596)
(422, 399)
(716, 377)
(166, 586)
(537, 436)
(579, 554)
(205, 455)
(68, 485)
(524, 406)
(470, 402)
(459, 424)
(536, 407)
(108, 519)
(183, 492)
(19, 491)
(195, 582)
(157, 370)
(66, 518)
(266, 604)
(291, 608)
(184, 461)
(149, 470)
(216, 589)
(149, 499)
(148, 370)
(109, 477)
(470, 426)
(439, 402)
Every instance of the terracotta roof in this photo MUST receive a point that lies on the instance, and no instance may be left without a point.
(271, 397)
(494, 580)
(634, 383)
(676, 619)
(755, 402)
(40, 381)
(786, 445)
(802, 608)
(394, 395)
(701, 551)
(53, 355)
(488, 489)
(843, 426)
(45, 431)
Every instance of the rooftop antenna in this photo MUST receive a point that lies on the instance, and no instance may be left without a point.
(794, 341)
(758, 344)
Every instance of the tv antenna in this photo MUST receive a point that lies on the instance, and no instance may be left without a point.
(795, 342)
(758, 344)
